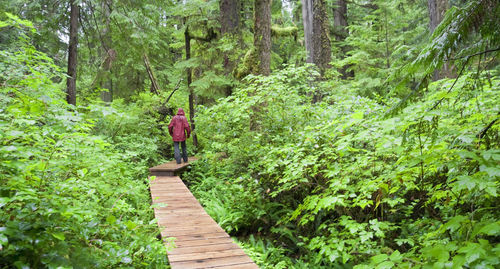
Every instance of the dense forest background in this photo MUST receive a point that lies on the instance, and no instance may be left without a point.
(332, 133)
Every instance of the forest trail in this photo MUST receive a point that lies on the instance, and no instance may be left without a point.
(199, 242)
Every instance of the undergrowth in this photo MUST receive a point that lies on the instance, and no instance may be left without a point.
(341, 183)
(73, 180)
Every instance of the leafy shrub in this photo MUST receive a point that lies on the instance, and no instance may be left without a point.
(71, 194)
(354, 185)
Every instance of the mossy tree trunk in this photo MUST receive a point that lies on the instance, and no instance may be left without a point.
(321, 40)
(262, 36)
(315, 20)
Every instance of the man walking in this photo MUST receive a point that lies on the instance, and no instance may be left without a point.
(179, 130)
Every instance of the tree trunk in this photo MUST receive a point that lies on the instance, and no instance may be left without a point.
(262, 36)
(340, 20)
(307, 19)
(315, 20)
(230, 16)
(109, 53)
(230, 21)
(341, 32)
(321, 40)
(187, 39)
(437, 9)
(72, 54)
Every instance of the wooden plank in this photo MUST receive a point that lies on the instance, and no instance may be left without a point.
(199, 236)
(163, 215)
(164, 179)
(203, 248)
(206, 255)
(167, 181)
(160, 188)
(203, 242)
(208, 263)
(193, 227)
(172, 166)
(180, 211)
(165, 224)
(249, 265)
(174, 231)
(173, 192)
(177, 204)
(178, 208)
(173, 203)
(177, 224)
(186, 210)
(184, 219)
(179, 217)
(167, 196)
(168, 188)
(175, 200)
(201, 231)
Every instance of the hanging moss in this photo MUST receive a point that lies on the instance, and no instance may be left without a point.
(249, 65)
(277, 31)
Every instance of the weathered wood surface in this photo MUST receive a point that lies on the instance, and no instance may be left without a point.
(170, 168)
(199, 242)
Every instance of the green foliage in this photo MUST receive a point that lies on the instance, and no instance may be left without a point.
(382, 38)
(266, 255)
(464, 33)
(72, 187)
(245, 213)
(414, 189)
(458, 27)
(387, 170)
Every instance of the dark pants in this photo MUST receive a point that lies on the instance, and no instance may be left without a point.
(177, 153)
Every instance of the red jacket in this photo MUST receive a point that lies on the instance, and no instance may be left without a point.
(177, 126)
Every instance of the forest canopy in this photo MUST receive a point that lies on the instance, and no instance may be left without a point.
(331, 133)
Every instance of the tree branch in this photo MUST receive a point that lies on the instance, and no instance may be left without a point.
(472, 55)
(151, 75)
(485, 129)
(172, 93)
(453, 85)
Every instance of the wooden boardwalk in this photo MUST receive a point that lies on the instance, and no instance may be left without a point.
(199, 241)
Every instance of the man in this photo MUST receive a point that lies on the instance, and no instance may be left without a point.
(179, 130)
